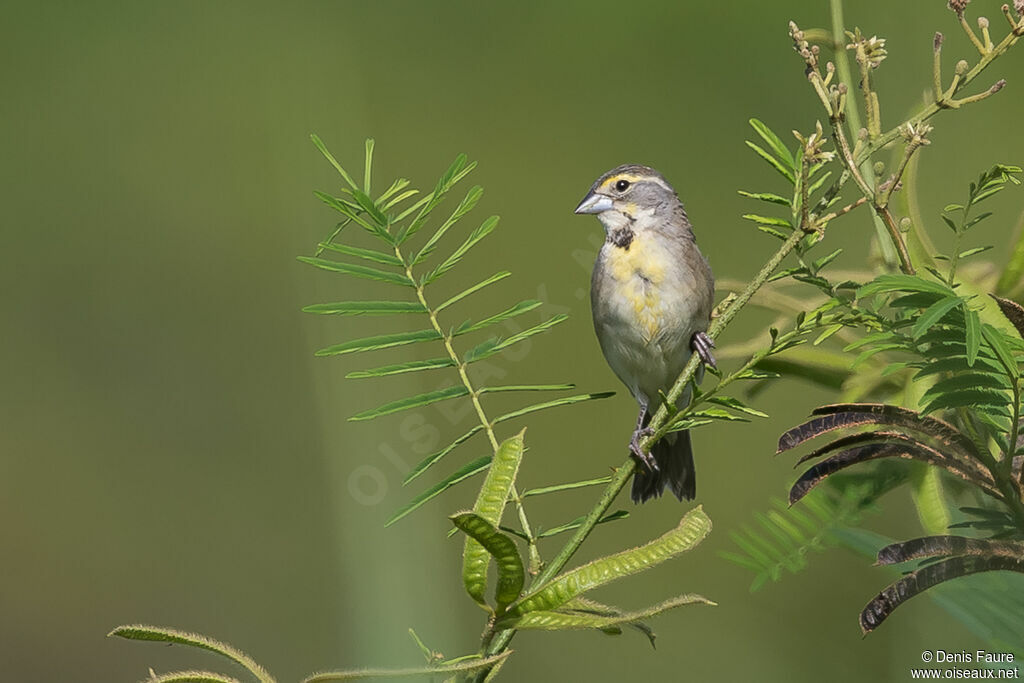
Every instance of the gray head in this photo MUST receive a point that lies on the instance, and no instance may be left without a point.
(628, 194)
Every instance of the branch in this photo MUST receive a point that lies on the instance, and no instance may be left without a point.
(660, 424)
(488, 425)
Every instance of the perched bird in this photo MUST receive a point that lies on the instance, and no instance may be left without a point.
(651, 295)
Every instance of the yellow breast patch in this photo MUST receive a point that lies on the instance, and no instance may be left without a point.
(639, 271)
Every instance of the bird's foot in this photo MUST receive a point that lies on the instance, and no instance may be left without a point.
(645, 459)
(703, 344)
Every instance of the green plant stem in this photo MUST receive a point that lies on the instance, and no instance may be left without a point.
(861, 161)
(843, 61)
(1014, 432)
(474, 395)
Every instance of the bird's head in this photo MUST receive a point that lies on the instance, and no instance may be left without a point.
(629, 195)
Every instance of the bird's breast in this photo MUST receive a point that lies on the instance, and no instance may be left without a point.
(637, 293)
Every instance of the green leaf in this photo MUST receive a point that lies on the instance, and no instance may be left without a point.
(368, 254)
(358, 271)
(418, 205)
(957, 363)
(367, 205)
(461, 474)
(168, 635)
(827, 332)
(454, 174)
(576, 523)
(737, 405)
(825, 260)
(691, 530)
(773, 232)
(993, 400)
(352, 213)
(767, 220)
(399, 184)
(401, 368)
(966, 381)
(816, 185)
(772, 161)
(774, 142)
(366, 308)
(431, 459)
(494, 544)
(369, 165)
(464, 207)
(757, 374)
(766, 197)
(518, 309)
(974, 221)
(566, 487)
(716, 414)
(568, 400)
(903, 283)
(474, 663)
(561, 621)
(323, 150)
(493, 346)
(972, 252)
(998, 344)
(412, 402)
(490, 503)
(934, 314)
(380, 342)
(501, 275)
(483, 231)
(395, 201)
(985, 194)
(918, 300)
(526, 387)
(973, 335)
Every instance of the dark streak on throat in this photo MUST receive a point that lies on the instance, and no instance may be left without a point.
(621, 238)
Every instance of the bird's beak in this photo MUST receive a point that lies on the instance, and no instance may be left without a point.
(594, 203)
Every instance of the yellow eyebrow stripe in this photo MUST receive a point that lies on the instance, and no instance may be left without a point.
(631, 177)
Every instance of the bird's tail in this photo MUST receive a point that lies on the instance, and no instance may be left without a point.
(674, 456)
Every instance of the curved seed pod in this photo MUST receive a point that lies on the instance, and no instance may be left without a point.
(491, 542)
(692, 529)
(461, 666)
(170, 635)
(490, 503)
(837, 416)
(916, 582)
(1013, 311)
(191, 676)
(968, 466)
(559, 621)
(938, 546)
(586, 606)
(813, 476)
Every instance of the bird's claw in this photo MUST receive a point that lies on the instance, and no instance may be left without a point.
(646, 459)
(703, 344)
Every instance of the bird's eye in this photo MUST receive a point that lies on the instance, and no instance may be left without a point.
(622, 185)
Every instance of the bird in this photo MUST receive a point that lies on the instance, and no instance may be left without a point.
(651, 296)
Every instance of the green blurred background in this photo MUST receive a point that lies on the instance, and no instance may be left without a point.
(174, 454)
